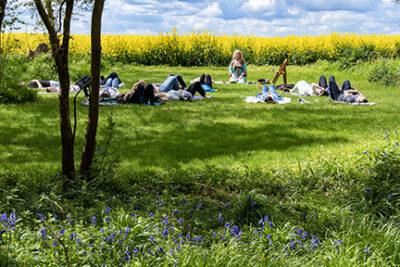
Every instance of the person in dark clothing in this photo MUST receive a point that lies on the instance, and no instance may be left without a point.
(196, 87)
(140, 93)
(346, 94)
(323, 84)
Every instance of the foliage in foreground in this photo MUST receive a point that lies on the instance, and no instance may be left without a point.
(331, 213)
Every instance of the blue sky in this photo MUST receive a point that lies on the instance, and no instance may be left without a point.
(259, 17)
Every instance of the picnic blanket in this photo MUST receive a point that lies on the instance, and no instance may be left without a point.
(200, 97)
(253, 99)
(101, 103)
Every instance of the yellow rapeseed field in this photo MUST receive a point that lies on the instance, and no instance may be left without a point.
(206, 48)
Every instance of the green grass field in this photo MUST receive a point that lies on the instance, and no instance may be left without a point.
(224, 131)
(216, 182)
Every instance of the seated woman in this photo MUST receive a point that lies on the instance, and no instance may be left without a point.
(346, 94)
(268, 94)
(237, 68)
(140, 93)
(172, 83)
(305, 89)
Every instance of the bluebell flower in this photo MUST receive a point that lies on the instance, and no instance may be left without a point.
(204, 256)
(397, 143)
(135, 251)
(299, 231)
(90, 245)
(176, 213)
(367, 250)
(386, 132)
(180, 221)
(94, 220)
(292, 245)
(72, 236)
(152, 239)
(165, 232)
(365, 153)
(98, 151)
(78, 241)
(151, 214)
(314, 241)
(102, 230)
(390, 196)
(249, 199)
(384, 153)
(214, 235)
(227, 225)
(269, 237)
(199, 205)
(108, 210)
(228, 206)
(42, 217)
(270, 224)
(220, 219)
(368, 190)
(54, 244)
(135, 208)
(386, 137)
(305, 234)
(254, 204)
(44, 233)
(234, 231)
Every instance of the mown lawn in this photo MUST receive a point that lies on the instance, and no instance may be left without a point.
(223, 132)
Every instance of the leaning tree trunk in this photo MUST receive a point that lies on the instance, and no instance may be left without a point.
(3, 4)
(91, 130)
(60, 55)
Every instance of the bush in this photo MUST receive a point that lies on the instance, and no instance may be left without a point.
(385, 72)
(12, 92)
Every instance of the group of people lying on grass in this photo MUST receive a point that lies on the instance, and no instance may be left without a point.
(346, 94)
(173, 88)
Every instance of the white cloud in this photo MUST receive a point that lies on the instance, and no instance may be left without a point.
(258, 6)
(211, 10)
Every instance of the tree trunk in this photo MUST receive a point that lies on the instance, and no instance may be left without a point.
(60, 55)
(91, 130)
(3, 4)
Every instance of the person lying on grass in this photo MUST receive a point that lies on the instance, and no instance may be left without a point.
(174, 88)
(305, 89)
(206, 82)
(268, 94)
(347, 94)
(51, 86)
(237, 68)
(141, 93)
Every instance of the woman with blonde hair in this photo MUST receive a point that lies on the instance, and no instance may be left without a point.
(237, 68)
